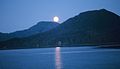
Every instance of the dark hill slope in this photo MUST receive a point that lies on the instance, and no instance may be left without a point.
(40, 27)
(91, 27)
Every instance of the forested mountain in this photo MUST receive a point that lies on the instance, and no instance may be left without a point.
(40, 27)
(90, 28)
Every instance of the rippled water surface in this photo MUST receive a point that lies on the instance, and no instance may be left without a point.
(60, 58)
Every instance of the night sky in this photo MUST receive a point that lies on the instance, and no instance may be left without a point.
(22, 14)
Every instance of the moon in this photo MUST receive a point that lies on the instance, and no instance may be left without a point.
(56, 19)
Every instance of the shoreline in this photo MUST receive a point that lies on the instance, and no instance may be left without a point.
(115, 46)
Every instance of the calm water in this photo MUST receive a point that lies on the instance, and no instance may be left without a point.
(60, 58)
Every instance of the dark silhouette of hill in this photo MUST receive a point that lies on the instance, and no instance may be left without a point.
(4, 36)
(40, 27)
(90, 28)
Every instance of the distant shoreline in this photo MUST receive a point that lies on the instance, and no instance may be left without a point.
(115, 46)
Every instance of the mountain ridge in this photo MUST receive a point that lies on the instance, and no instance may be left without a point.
(40, 27)
(94, 27)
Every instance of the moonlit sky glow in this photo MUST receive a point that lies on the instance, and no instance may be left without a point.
(22, 14)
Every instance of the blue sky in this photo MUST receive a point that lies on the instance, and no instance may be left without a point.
(22, 14)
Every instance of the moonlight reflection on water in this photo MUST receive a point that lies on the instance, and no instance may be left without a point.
(58, 58)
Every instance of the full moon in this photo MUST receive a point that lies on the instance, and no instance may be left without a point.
(55, 19)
